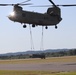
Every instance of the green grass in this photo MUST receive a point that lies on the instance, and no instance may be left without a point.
(66, 73)
(4, 72)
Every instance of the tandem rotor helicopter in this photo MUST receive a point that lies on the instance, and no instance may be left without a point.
(51, 18)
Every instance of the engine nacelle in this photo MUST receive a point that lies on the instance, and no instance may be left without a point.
(54, 11)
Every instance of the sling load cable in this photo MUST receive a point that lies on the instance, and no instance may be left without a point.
(31, 39)
(42, 39)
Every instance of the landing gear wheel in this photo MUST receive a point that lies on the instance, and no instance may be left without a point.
(24, 26)
(33, 25)
(56, 27)
(46, 27)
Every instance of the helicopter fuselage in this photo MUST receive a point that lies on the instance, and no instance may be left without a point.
(41, 19)
(50, 18)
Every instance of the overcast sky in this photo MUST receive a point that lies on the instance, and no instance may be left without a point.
(13, 38)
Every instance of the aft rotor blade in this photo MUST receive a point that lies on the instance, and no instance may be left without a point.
(52, 3)
(42, 6)
(68, 5)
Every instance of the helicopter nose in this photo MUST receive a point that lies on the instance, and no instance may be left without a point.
(10, 17)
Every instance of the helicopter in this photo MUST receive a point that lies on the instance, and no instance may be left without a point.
(51, 18)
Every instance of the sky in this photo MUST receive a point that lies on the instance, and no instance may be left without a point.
(14, 38)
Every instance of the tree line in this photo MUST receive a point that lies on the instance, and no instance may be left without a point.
(70, 52)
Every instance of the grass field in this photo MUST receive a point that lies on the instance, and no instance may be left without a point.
(4, 72)
(22, 61)
(52, 59)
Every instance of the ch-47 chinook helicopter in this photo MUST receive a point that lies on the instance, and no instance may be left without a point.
(51, 18)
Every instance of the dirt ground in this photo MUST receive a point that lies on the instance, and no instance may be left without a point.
(49, 66)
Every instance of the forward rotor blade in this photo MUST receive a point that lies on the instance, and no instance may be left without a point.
(14, 4)
(24, 2)
(7, 4)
